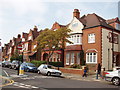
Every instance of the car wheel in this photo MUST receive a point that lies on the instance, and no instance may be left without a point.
(39, 72)
(116, 81)
(15, 67)
(27, 70)
(10, 67)
(48, 73)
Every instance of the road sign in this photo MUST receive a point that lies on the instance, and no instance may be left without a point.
(19, 47)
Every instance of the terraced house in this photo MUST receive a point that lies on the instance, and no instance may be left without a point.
(98, 38)
(95, 40)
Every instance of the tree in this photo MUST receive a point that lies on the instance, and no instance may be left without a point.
(62, 34)
(16, 56)
(50, 40)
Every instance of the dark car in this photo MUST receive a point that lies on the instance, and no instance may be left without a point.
(15, 64)
(6, 64)
(29, 67)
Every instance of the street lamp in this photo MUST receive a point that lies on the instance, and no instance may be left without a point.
(19, 47)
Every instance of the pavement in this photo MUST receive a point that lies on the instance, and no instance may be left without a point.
(79, 77)
(70, 76)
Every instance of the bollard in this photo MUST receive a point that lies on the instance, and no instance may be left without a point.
(21, 72)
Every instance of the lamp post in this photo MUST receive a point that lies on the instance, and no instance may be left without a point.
(19, 47)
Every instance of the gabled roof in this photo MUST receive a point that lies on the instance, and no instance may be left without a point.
(34, 32)
(56, 25)
(92, 20)
(109, 21)
(25, 35)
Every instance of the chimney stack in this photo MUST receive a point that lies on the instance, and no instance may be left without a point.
(35, 28)
(19, 36)
(76, 13)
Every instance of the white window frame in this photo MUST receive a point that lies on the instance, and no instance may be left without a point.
(26, 46)
(67, 58)
(91, 55)
(91, 38)
(72, 59)
(76, 39)
(115, 39)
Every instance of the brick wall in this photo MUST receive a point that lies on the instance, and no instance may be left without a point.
(72, 71)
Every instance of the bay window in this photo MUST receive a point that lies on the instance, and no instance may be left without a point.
(76, 39)
(91, 57)
(67, 58)
(72, 58)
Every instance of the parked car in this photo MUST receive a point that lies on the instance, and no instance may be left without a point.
(29, 67)
(116, 68)
(113, 76)
(6, 64)
(14, 64)
(48, 70)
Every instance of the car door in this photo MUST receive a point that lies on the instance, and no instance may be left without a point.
(118, 73)
(45, 69)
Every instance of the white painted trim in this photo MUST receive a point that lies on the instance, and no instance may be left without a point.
(91, 49)
(92, 58)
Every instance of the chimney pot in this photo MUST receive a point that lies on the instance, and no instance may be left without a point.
(76, 13)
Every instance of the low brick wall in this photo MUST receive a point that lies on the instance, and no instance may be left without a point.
(71, 70)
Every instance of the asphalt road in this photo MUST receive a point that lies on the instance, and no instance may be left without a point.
(41, 82)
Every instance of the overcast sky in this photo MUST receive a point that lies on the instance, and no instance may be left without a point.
(17, 16)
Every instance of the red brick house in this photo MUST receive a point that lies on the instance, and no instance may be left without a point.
(28, 46)
(57, 56)
(91, 33)
(10, 48)
(98, 38)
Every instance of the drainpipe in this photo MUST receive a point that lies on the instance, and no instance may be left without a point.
(112, 48)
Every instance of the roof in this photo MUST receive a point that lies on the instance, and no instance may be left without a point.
(112, 20)
(25, 35)
(92, 20)
(56, 25)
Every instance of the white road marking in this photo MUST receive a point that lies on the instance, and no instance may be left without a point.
(28, 78)
(21, 85)
(44, 77)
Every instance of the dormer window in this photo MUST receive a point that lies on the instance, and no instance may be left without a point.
(75, 24)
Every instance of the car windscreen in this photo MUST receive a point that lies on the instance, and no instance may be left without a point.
(31, 65)
(7, 62)
(51, 67)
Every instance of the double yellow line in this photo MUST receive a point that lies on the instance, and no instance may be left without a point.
(10, 81)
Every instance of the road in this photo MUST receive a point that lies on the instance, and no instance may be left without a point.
(41, 82)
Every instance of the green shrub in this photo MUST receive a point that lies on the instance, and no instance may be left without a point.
(77, 66)
(19, 58)
(56, 64)
(38, 63)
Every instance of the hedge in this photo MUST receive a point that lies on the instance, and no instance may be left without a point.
(38, 63)
(56, 64)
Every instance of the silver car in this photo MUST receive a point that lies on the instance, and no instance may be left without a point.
(113, 76)
(48, 70)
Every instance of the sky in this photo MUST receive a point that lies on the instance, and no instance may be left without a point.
(17, 16)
